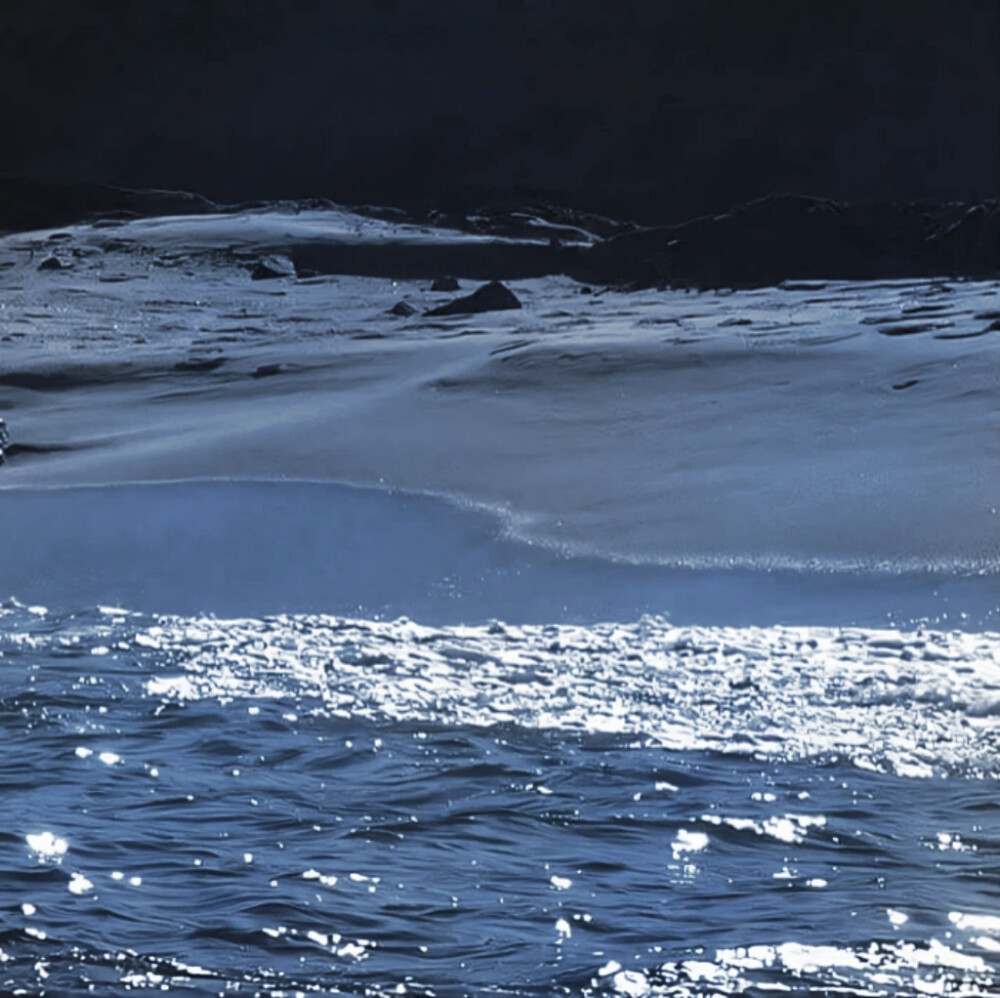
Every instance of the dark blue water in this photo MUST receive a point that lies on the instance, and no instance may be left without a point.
(275, 806)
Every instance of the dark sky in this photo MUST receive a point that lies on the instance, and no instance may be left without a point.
(658, 109)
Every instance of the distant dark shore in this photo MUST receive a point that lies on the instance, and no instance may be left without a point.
(764, 242)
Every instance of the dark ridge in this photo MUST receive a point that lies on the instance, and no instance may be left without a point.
(777, 238)
(27, 204)
(793, 240)
(200, 364)
(769, 241)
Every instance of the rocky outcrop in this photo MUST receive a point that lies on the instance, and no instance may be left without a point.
(445, 284)
(492, 297)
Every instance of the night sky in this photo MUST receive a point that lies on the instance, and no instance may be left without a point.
(656, 110)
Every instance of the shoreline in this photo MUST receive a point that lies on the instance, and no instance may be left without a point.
(849, 424)
(256, 548)
(506, 522)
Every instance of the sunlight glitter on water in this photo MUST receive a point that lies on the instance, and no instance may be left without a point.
(349, 758)
(918, 704)
(879, 969)
(47, 846)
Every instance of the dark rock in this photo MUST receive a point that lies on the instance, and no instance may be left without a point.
(907, 328)
(966, 335)
(446, 284)
(903, 385)
(271, 267)
(200, 364)
(53, 263)
(492, 297)
(4, 441)
(17, 450)
(935, 310)
(403, 309)
(266, 371)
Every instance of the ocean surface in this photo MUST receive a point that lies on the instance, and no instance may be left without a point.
(287, 739)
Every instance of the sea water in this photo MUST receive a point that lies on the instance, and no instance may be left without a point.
(279, 739)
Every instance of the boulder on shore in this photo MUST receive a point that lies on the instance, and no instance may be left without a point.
(403, 309)
(53, 263)
(492, 297)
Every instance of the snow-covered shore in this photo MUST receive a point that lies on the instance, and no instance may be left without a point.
(831, 425)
